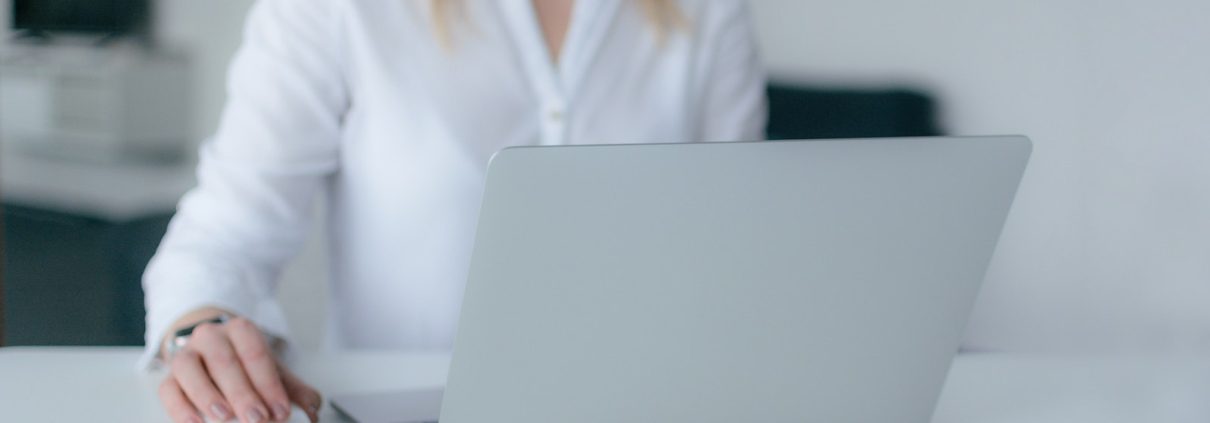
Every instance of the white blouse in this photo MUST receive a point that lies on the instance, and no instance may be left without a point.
(357, 100)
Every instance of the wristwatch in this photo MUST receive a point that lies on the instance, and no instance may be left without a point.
(181, 336)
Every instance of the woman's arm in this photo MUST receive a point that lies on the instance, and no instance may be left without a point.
(733, 106)
(258, 177)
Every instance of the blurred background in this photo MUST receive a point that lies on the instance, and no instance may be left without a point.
(1107, 247)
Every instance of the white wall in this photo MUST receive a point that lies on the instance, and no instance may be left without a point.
(1109, 242)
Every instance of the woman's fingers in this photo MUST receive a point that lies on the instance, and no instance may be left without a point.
(307, 398)
(189, 374)
(228, 373)
(258, 361)
(178, 406)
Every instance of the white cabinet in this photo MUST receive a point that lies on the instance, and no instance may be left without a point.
(98, 104)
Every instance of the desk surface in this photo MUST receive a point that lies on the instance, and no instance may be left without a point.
(100, 384)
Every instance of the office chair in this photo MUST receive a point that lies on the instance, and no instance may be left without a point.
(799, 111)
(3, 255)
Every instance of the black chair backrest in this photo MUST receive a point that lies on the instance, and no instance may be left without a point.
(806, 112)
(3, 258)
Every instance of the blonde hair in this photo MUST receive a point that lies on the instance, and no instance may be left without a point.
(664, 16)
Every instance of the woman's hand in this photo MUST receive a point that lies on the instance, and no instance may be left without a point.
(229, 371)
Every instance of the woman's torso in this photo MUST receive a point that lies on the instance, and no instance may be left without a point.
(425, 118)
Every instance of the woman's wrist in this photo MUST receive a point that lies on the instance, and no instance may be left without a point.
(192, 318)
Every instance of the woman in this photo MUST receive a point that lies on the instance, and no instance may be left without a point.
(392, 108)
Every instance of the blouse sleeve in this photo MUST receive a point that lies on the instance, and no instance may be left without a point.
(258, 176)
(733, 106)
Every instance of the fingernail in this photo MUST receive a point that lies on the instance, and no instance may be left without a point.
(255, 415)
(281, 412)
(221, 412)
(313, 411)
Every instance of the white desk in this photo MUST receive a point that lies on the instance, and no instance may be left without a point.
(112, 192)
(100, 384)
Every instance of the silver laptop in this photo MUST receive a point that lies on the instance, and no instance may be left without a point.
(794, 281)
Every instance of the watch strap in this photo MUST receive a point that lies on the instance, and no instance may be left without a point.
(181, 336)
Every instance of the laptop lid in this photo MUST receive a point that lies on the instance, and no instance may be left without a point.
(814, 281)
